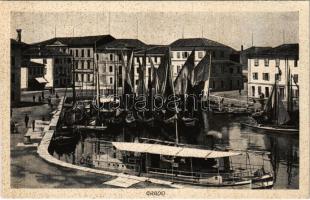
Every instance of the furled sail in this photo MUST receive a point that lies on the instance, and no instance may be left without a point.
(164, 76)
(183, 82)
(126, 76)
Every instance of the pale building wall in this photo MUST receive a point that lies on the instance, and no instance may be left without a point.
(24, 78)
(272, 70)
(49, 69)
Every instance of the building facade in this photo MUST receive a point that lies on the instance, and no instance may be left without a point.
(32, 75)
(226, 71)
(57, 65)
(110, 64)
(17, 47)
(82, 50)
(267, 67)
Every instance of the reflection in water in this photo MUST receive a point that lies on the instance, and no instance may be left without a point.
(278, 152)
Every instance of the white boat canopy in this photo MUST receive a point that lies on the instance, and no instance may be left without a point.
(171, 150)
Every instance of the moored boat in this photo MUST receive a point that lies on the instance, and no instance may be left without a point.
(181, 164)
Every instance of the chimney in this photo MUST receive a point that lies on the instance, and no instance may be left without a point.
(19, 35)
(241, 47)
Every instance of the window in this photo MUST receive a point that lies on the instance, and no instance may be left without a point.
(222, 54)
(178, 68)
(82, 76)
(295, 63)
(178, 55)
(88, 77)
(266, 61)
(255, 76)
(82, 53)
(171, 54)
(282, 93)
(266, 91)
(155, 59)
(120, 69)
(137, 81)
(111, 57)
(110, 69)
(69, 60)
(82, 64)
(56, 60)
(88, 64)
(222, 84)
(295, 78)
(277, 62)
(44, 61)
(88, 52)
(200, 54)
(77, 53)
(296, 93)
(278, 77)
(76, 64)
(253, 91)
(213, 54)
(76, 77)
(111, 80)
(256, 62)
(259, 89)
(231, 70)
(185, 54)
(71, 52)
(222, 69)
(266, 76)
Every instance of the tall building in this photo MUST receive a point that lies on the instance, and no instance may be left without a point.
(58, 65)
(154, 54)
(271, 64)
(110, 64)
(17, 47)
(226, 72)
(82, 49)
(32, 75)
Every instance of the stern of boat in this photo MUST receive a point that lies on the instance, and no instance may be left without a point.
(263, 182)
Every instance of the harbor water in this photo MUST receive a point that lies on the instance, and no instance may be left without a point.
(278, 152)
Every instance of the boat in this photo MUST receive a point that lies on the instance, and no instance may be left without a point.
(275, 117)
(277, 129)
(181, 164)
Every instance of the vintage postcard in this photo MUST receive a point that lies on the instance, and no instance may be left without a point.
(203, 99)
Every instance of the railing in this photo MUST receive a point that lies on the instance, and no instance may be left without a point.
(199, 175)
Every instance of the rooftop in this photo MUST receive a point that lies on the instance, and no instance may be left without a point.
(43, 52)
(284, 50)
(16, 43)
(28, 63)
(195, 43)
(153, 50)
(77, 41)
(123, 44)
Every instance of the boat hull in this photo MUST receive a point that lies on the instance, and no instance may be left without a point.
(271, 129)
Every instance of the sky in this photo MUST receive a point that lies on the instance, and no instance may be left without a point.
(232, 29)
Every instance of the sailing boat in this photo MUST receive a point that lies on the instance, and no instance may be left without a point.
(275, 117)
(184, 87)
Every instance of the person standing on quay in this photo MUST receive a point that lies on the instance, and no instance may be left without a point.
(33, 124)
(26, 120)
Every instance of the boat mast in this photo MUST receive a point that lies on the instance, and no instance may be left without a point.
(175, 104)
(208, 89)
(73, 80)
